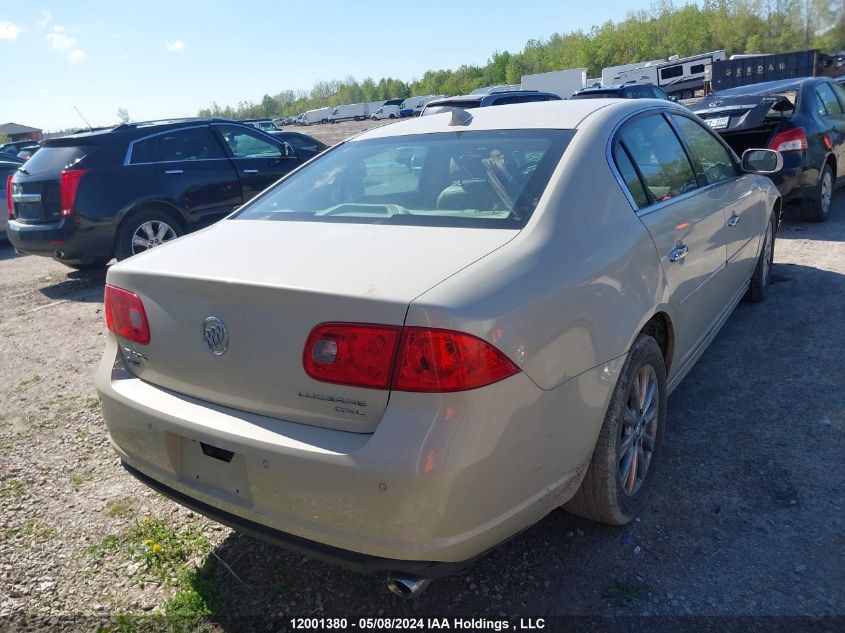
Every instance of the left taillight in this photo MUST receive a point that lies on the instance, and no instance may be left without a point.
(10, 204)
(125, 315)
(69, 186)
(403, 359)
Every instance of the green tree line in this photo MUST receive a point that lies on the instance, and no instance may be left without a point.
(737, 26)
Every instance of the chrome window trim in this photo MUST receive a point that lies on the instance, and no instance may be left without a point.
(657, 206)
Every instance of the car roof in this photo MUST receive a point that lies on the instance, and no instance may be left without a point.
(560, 114)
(781, 85)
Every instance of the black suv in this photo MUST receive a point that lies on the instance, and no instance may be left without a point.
(625, 91)
(85, 198)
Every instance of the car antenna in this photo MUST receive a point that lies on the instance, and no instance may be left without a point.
(90, 129)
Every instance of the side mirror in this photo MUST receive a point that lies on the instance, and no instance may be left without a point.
(762, 161)
(673, 99)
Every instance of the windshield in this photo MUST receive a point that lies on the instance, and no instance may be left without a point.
(466, 179)
(451, 105)
(596, 94)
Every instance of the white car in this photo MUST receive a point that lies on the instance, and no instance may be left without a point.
(434, 334)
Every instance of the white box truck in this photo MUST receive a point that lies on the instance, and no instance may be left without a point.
(560, 82)
(350, 112)
(318, 115)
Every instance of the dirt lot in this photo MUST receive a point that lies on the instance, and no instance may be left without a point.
(747, 516)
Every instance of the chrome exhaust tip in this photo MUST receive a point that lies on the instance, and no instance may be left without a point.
(406, 586)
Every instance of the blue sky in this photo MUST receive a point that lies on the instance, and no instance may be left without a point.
(160, 59)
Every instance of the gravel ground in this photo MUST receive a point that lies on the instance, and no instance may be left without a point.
(746, 519)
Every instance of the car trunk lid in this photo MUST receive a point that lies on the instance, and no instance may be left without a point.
(743, 112)
(271, 283)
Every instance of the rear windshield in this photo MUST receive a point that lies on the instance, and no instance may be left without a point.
(484, 179)
(55, 158)
(448, 107)
(595, 94)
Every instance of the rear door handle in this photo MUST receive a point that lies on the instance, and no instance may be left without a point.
(250, 171)
(678, 253)
(733, 220)
(171, 172)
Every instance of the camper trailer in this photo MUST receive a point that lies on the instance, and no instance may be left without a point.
(678, 77)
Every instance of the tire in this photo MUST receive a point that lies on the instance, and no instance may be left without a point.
(392, 116)
(762, 271)
(603, 496)
(163, 227)
(83, 265)
(816, 208)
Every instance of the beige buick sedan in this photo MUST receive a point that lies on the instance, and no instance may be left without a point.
(432, 335)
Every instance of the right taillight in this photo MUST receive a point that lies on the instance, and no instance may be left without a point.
(403, 359)
(9, 202)
(790, 141)
(69, 186)
(125, 315)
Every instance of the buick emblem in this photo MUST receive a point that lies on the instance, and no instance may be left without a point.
(216, 335)
(715, 104)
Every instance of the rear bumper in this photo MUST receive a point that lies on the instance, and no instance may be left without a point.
(319, 551)
(441, 480)
(49, 237)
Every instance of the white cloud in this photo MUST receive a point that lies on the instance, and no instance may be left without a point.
(175, 47)
(43, 91)
(9, 31)
(59, 41)
(46, 18)
(76, 56)
(115, 36)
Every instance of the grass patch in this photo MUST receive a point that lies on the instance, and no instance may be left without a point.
(82, 433)
(120, 509)
(164, 550)
(33, 527)
(93, 404)
(79, 478)
(109, 544)
(12, 487)
(625, 592)
(35, 378)
(196, 602)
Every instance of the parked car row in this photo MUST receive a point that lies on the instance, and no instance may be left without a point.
(323, 370)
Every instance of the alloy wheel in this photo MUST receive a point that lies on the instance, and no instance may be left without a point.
(151, 234)
(827, 191)
(639, 430)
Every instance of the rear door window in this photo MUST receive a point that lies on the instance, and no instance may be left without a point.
(630, 176)
(828, 99)
(188, 144)
(659, 157)
(713, 162)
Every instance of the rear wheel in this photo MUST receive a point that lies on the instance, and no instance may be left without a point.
(618, 480)
(145, 230)
(816, 208)
(392, 116)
